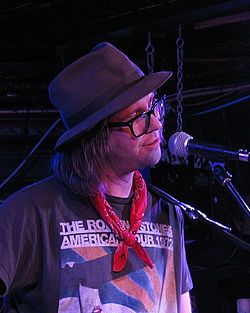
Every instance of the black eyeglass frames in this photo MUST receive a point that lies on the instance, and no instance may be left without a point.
(139, 124)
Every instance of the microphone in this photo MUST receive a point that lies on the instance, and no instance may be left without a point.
(182, 144)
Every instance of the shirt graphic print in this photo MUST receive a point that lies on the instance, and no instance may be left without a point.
(88, 283)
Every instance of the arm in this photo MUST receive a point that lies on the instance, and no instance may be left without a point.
(185, 303)
(19, 249)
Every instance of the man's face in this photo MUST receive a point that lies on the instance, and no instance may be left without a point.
(129, 152)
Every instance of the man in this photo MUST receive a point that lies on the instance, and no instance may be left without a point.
(91, 238)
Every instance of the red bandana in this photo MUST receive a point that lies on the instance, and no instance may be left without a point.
(127, 237)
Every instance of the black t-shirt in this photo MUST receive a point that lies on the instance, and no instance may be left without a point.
(56, 255)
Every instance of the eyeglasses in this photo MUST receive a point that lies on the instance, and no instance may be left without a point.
(139, 124)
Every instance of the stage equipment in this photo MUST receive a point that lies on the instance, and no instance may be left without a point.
(150, 55)
(179, 98)
(196, 214)
(182, 144)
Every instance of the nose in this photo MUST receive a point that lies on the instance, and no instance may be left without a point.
(155, 124)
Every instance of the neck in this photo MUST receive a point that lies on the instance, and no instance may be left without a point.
(119, 185)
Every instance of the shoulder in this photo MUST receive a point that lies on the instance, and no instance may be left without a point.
(37, 194)
(50, 187)
(164, 201)
(157, 196)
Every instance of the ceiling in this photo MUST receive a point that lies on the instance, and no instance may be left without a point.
(39, 38)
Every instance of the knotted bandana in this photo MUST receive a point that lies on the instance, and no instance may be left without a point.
(126, 237)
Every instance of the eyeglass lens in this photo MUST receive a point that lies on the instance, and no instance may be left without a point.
(140, 125)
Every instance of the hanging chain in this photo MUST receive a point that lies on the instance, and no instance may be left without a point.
(179, 45)
(150, 55)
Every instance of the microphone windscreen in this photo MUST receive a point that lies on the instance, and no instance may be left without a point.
(177, 144)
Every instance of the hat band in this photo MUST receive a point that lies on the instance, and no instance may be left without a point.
(94, 106)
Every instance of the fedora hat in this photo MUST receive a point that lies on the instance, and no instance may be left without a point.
(96, 86)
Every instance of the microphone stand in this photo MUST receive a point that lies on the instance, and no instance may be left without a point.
(224, 177)
(195, 214)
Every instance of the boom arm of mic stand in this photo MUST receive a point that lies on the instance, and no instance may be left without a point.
(195, 214)
(224, 177)
(191, 212)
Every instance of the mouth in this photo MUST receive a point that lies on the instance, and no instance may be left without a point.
(153, 143)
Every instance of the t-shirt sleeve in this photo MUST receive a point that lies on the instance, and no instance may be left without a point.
(186, 280)
(187, 283)
(19, 242)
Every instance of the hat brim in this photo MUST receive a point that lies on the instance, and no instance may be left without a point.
(140, 89)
